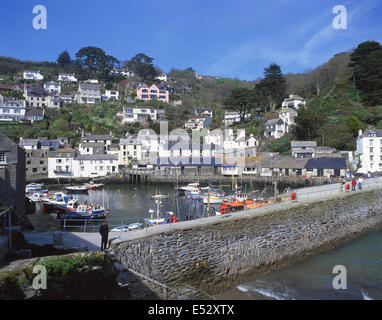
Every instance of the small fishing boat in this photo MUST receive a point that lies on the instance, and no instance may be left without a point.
(35, 187)
(155, 220)
(36, 196)
(76, 189)
(214, 196)
(51, 203)
(191, 187)
(128, 227)
(74, 210)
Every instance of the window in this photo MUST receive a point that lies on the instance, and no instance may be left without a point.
(145, 96)
(371, 158)
(153, 91)
(3, 158)
(145, 90)
(162, 97)
(34, 170)
(28, 162)
(153, 96)
(371, 141)
(371, 150)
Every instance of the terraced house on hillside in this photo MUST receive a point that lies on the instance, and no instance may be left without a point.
(153, 92)
(88, 93)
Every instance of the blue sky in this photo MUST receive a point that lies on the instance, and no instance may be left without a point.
(228, 38)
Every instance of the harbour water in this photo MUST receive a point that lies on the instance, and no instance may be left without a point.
(128, 203)
(312, 278)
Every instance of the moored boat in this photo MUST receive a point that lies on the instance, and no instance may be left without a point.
(76, 189)
(128, 227)
(35, 187)
(74, 210)
(51, 203)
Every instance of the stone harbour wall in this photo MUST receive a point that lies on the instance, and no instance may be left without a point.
(216, 256)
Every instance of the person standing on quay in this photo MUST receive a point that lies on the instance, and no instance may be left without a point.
(360, 181)
(104, 231)
(353, 184)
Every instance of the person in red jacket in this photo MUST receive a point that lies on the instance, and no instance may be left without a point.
(353, 184)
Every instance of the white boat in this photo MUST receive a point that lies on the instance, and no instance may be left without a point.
(34, 187)
(213, 196)
(191, 187)
(155, 220)
(36, 196)
(76, 189)
(128, 227)
(213, 199)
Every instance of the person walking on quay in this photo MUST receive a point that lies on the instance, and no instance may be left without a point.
(353, 184)
(104, 231)
(360, 182)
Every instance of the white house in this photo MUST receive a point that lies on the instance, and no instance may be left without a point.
(162, 77)
(97, 165)
(106, 139)
(137, 114)
(288, 115)
(32, 75)
(122, 72)
(197, 122)
(52, 87)
(129, 149)
(294, 101)
(88, 93)
(275, 128)
(369, 151)
(233, 117)
(303, 149)
(204, 112)
(67, 77)
(111, 95)
(91, 81)
(62, 163)
(54, 101)
(11, 110)
(36, 97)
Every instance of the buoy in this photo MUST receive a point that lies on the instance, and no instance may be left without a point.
(293, 196)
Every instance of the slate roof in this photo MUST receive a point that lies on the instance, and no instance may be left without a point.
(189, 161)
(326, 163)
(297, 144)
(28, 142)
(97, 157)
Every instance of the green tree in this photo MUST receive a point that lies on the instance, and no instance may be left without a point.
(95, 61)
(307, 124)
(271, 90)
(143, 67)
(353, 124)
(64, 59)
(241, 100)
(366, 63)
